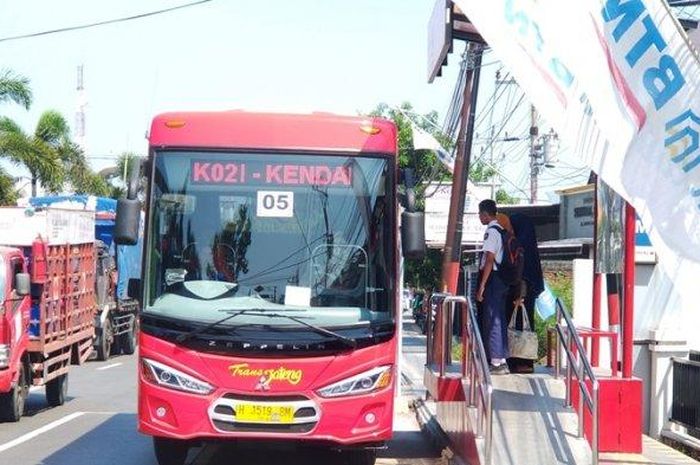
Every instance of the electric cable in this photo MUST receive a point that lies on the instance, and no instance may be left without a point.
(102, 23)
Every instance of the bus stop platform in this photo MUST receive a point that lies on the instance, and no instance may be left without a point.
(531, 425)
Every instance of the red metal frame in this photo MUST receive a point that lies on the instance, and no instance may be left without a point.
(343, 419)
(628, 308)
(590, 337)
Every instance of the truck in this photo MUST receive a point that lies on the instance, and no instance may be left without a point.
(269, 287)
(47, 302)
(116, 313)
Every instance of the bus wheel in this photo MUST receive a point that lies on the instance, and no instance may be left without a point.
(360, 457)
(57, 390)
(127, 340)
(104, 347)
(12, 403)
(170, 451)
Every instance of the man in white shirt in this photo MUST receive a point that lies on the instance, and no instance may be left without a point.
(491, 293)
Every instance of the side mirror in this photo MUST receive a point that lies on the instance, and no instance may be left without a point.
(134, 289)
(134, 181)
(413, 235)
(126, 228)
(23, 284)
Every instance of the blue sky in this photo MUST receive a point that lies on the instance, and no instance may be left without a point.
(305, 55)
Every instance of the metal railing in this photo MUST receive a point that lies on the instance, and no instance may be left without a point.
(475, 366)
(434, 307)
(579, 366)
(685, 408)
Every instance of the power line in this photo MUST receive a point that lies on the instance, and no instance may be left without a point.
(102, 23)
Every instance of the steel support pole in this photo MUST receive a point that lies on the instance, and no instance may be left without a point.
(597, 282)
(453, 241)
(628, 308)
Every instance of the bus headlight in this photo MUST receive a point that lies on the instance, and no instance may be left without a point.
(4, 355)
(169, 377)
(369, 381)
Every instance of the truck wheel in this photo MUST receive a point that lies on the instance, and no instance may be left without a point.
(170, 451)
(127, 340)
(360, 457)
(12, 403)
(57, 390)
(104, 346)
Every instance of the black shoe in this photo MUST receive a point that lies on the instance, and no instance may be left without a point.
(501, 369)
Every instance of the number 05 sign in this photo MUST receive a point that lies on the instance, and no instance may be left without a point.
(275, 204)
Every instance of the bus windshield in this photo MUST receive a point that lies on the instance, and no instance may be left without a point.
(271, 231)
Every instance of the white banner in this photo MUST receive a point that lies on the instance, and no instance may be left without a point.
(619, 80)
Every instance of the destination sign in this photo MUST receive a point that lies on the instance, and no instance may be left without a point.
(281, 174)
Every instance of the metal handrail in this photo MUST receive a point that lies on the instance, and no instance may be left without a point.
(476, 370)
(434, 300)
(579, 366)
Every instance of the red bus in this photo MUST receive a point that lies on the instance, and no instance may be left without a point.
(270, 286)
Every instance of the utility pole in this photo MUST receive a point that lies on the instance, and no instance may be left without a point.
(453, 239)
(493, 178)
(534, 164)
(80, 111)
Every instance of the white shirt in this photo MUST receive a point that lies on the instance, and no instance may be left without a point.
(493, 244)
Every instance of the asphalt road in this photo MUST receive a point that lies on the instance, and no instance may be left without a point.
(97, 425)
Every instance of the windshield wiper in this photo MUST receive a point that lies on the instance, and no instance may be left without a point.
(204, 329)
(234, 314)
(349, 342)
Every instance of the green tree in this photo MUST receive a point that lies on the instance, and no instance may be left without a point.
(13, 88)
(425, 164)
(481, 172)
(78, 172)
(38, 152)
(8, 193)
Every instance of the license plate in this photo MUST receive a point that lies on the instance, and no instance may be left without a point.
(255, 413)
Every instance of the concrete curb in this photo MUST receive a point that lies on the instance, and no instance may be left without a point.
(432, 430)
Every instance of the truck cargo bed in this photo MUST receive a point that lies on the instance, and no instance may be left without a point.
(63, 307)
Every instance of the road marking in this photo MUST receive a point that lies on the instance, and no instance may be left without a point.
(37, 432)
(110, 366)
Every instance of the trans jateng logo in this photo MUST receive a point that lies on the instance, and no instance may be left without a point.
(266, 375)
(662, 81)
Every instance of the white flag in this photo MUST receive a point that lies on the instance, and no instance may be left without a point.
(425, 141)
(620, 83)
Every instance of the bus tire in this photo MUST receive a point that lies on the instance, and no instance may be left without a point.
(12, 403)
(104, 346)
(170, 451)
(57, 390)
(127, 340)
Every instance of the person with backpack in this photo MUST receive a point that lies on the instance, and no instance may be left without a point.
(532, 282)
(500, 268)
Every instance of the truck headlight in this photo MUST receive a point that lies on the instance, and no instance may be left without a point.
(366, 382)
(4, 355)
(169, 377)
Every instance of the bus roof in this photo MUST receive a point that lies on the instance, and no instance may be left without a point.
(244, 130)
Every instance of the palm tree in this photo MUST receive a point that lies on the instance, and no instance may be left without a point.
(78, 172)
(39, 153)
(13, 88)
